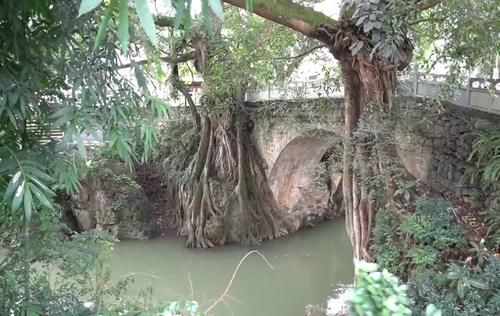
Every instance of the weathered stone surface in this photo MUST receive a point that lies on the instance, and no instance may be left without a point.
(111, 201)
(433, 145)
(301, 179)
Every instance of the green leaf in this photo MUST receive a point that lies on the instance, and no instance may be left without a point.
(87, 6)
(104, 25)
(179, 14)
(141, 80)
(123, 33)
(206, 17)
(146, 19)
(18, 197)
(41, 197)
(249, 5)
(479, 284)
(217, 8)
(13, 185)
(28, 204)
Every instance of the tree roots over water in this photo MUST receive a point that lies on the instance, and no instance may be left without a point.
(223, 193)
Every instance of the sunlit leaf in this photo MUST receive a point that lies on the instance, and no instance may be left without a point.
(13, 184)
(40, 196)
(101, 32)
(18, 197)
(216, 6)
(179, 13)
(123, 33)
(28, 204)
(146, 19)
(87, 6)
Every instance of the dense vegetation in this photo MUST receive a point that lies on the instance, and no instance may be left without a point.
(60, 63)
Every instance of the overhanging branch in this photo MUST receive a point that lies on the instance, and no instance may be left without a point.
(310, 50)
(292, 15)
(169, 59)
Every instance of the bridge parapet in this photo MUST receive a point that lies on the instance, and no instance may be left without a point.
(476, 93)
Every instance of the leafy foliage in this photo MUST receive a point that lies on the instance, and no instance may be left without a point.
(433, 224)
(386, 29)
(485, 154)
(381, 293)
(53, 83)
(426, 249)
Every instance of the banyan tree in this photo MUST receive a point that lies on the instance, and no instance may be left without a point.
(222, 192)
(371, 40)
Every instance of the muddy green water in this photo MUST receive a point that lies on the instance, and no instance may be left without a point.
(307, 268)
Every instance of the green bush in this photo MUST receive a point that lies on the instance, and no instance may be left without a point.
(427, 249)
(387, 252)
(433, 225)
(381, 294)
(377, 293)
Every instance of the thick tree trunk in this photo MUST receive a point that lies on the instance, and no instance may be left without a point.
(227, 193)
(358, 198)
(368, 148)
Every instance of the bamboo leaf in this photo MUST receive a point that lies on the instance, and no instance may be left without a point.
(249, 5)
(13, 184)
(18, 197)
(28, 204)
(41, 197)
(206, 17)
(123, 33)
(179, 14)
(216, 6)
(146, 19)
(104, 25)
(87, 6)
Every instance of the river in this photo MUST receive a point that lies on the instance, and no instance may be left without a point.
(307, 268)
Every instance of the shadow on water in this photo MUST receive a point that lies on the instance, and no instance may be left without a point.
(307, 267)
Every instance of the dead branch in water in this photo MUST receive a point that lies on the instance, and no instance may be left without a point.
(226, 291)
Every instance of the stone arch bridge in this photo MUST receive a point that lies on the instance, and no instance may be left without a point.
(301, 144)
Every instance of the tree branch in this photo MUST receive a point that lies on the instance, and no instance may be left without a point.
(179, 85)
(301, 54)
(419, 6)
(437, 20)
(169, 59)
(427, 4)
(292, 15)
(164, 21)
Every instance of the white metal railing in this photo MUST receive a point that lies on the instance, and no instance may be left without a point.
(478, 93)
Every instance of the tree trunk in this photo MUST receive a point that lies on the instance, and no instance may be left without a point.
(368, 148)
(226, 193)
(358, 199)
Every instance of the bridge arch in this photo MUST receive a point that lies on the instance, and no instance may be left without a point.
(306, 178)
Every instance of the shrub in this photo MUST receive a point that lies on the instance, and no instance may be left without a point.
(381, 294)
(378, 293)
(433, 225)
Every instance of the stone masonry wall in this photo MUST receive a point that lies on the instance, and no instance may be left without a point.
(434, 145)
(279, 122)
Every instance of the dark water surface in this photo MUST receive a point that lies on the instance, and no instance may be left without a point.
(307, 267)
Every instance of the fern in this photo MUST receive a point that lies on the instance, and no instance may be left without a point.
(423, 257)
(486, 155)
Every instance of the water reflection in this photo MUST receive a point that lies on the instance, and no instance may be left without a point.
(307, 267)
